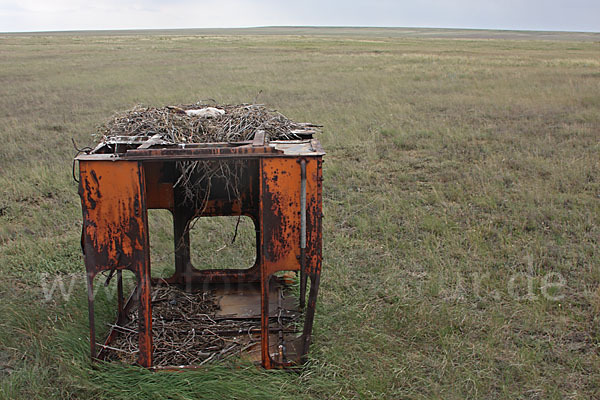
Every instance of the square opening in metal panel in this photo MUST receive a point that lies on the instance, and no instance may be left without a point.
(227, 242)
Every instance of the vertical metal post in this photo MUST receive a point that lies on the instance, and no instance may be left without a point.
(315, 268)
(181, 236)
(310, 312)
(144, 319)
(264, 277)
(303, 275)
(142, 268)
(90, 290)
(120, 294)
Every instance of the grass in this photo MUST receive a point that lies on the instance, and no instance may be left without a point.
(462, 188)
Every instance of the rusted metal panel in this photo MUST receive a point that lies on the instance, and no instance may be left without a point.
(239, 150)
(314, 215)
(281, 222)
(114, 233)
(207, 152)
(314, 246)
(280, 214)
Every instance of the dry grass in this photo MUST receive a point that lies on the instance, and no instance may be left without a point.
(462, 180)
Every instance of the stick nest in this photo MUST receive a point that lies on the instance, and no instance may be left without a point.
(203, 123)
(186, 331)
(174, 124)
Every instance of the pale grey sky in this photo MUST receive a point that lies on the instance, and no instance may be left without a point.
(41, 15)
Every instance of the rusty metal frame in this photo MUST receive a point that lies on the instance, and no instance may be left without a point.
(281, 192)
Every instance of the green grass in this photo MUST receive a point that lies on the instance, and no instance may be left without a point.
(462, 180)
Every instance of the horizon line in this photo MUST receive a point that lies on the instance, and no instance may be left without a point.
(303, 27)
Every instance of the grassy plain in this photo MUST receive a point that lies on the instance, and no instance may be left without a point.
(462, 202)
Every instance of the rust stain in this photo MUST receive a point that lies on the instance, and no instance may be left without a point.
(115, 197)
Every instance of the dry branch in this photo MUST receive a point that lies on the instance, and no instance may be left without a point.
(186, 330)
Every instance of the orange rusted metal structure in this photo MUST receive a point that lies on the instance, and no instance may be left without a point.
(280, 190)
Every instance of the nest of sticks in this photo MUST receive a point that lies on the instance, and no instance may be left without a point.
(186, 331)
(203, 123)
(185, 124)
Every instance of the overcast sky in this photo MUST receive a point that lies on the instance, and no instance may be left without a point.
(41, 15)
